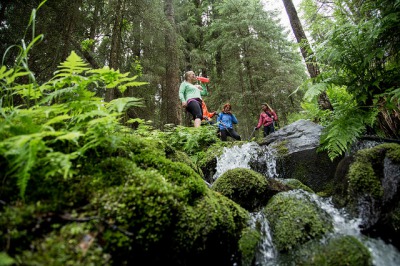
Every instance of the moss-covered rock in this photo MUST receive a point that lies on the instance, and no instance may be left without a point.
(296, 184)
(244, 186)
(248, 244)
(208, 232)
(368, 185)
(338, 251)
(295, 219)
(181, 157)
(72, 244)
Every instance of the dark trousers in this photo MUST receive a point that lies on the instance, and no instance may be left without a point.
(229, 132)
(269, 129)
(194, 108)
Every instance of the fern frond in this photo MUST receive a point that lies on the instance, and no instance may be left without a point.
(58, 163)
(343, 131)
(314, 90)
(122, 104)
(73, 65)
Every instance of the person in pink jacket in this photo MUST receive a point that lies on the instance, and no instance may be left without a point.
(267, 119)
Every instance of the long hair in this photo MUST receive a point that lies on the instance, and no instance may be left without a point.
(226, 105)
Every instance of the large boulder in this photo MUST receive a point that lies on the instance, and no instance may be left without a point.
(249, 189)
(297, 157)
(368, 185)
(340, 250)
(295, 219)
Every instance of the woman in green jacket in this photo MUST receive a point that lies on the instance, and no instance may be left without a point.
(190, 96)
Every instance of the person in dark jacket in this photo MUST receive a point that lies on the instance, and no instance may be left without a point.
(225, 122)
(267, 119)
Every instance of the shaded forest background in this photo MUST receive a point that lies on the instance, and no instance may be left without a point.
(239, 45)
(352, 46)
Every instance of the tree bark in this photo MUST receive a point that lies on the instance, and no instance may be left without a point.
(115, 46)
(171, 108)
(305, 50)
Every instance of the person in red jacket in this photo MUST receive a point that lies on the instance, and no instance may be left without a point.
(267, 119)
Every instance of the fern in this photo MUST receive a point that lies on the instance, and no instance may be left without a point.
(348, 125)
(67, 122)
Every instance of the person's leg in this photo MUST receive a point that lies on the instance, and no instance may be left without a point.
(197, 122)
(223, 135)
(272, 128)
(234, 134)
(195, 109)
(265, 132)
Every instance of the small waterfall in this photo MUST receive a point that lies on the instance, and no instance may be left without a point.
(266, 254)
(235, 157)
(243, 156)
(383, 254)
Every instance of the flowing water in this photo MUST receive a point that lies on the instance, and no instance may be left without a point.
(383, 254)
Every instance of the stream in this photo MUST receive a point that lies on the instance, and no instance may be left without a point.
(383, 254)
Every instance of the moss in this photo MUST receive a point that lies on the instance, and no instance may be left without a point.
(145, 205)
(248, 244)
(296, 184)
(209, 231)
(394, 219)
(81, 248)
(179, 156)
(301, 172)
(281, 148)
(16, 225)
(147, 156)
(392, 151)
(339, 251)
(244, 186)
(295, 219)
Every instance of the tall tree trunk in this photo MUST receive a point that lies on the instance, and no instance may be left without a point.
(306, 50)
(171, 109)
(115, 46)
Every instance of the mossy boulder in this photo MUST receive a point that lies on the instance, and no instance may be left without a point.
(248, 245)
(81, 248)
(296, 184)
(341, 250)
(208, 233)
(368, 186)
(246, 187)
(295, 219)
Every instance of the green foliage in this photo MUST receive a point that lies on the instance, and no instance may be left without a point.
(6, 260)
(67, 122)
(358, 59)
(192, 140)
(347, 125)
(15, 224)
(82, 248)
(363, 175)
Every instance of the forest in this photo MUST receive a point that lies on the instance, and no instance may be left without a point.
(350, 84)
(87, 84)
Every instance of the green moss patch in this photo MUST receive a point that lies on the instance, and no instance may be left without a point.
(294, 219)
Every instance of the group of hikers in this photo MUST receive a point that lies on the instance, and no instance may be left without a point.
(190, 95)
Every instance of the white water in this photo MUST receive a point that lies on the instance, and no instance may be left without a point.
(383, 254)
(235, 157)
(239, 157)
